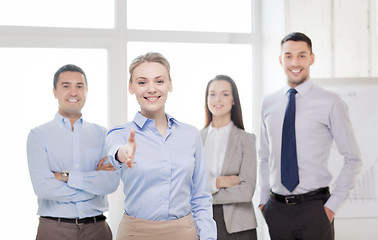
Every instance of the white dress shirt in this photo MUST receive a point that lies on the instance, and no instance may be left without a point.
(215, 150)
(321, 117)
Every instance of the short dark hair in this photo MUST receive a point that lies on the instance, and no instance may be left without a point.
(236, 111)
(68, 68)
(297, 37)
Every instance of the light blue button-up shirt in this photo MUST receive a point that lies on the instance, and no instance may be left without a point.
(54, 147)
(169, 178)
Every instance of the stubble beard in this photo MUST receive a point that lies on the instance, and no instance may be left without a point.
(297, 83)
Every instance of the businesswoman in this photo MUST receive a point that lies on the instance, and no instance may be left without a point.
(230, 154)
(162, 164)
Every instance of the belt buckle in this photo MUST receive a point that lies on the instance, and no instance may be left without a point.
(77, 223)
(287, 200)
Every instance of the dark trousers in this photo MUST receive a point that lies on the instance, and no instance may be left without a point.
(221, 228)
(49, 229)
(304, 221)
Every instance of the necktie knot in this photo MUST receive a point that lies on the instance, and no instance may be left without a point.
(292, 91)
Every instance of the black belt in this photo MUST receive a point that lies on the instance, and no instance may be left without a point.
(321, 193)
(78, 221)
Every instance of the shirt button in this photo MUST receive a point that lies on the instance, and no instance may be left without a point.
(77, 166)
(165, 202)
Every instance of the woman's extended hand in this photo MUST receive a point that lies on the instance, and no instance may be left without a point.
(125, 153)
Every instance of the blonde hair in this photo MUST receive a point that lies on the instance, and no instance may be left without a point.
(150, 57)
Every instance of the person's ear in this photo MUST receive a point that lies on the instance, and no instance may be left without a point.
(54, 91)
(131, 90)
(312, 58)
(170, 86)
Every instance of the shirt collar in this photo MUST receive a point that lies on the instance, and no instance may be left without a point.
(62, 121)
(141, 120)
(302, 89)
(225, 129)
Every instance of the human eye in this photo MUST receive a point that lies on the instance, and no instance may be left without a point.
(160, 80)
(141, 83)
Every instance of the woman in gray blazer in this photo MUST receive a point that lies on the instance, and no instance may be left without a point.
(230, 154)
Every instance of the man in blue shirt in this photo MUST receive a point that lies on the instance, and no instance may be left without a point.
(68, 168)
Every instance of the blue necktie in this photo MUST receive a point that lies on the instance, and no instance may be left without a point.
(289, 164)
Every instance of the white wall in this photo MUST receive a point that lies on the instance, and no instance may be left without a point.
(341, 33)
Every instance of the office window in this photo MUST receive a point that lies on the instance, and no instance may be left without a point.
(27, 102)
(200, 39)
(192, 66)
(52, 13)
(193, 15)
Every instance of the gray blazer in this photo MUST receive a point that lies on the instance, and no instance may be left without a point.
(240, 159)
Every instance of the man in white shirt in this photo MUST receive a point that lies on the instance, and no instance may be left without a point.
(293, 164)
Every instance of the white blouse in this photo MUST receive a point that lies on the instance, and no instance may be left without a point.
(215, 150)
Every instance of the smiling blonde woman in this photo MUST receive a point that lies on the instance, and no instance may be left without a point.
(162, 164)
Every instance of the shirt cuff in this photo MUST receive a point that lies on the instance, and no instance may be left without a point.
(213, 185)
(264, 197)
(334, 203)
(112, 159)
(75, 179)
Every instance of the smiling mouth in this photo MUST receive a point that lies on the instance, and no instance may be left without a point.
(152, 99)
(72, 100)
(295, 71)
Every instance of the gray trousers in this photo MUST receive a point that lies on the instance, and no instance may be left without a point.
(304, 221)
(250, 234)
(49, 229)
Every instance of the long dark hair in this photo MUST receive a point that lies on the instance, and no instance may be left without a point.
(236, 112)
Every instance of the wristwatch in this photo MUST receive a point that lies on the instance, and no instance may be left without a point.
(64, 174)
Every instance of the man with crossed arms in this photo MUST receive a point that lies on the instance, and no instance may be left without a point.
(67, 166)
